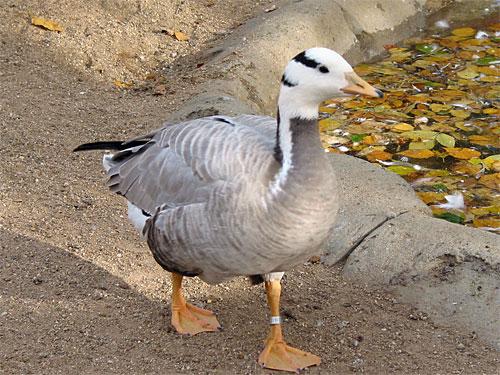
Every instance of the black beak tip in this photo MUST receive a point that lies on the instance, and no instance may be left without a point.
(379, 93)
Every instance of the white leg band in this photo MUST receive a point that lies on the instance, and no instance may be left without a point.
(273, 320)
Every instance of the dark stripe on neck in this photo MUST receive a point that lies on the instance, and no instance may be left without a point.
(286, 82)
(278, 154)
(303, 59)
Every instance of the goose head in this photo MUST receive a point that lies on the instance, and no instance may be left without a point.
(314, 76)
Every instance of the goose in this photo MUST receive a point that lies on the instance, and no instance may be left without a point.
(220, 197)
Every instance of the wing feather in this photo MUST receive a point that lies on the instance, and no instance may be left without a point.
(181, 163)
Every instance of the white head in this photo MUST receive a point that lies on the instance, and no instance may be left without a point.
(314, 76)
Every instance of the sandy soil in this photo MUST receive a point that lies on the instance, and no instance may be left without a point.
(79, 291)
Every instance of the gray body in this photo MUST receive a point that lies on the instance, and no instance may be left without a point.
(219, 208)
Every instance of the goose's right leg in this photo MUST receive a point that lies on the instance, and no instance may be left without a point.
(186, 318)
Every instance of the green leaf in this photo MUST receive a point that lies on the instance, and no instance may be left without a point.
(445, 140)
(487, 60)
(357, 137)
(440, 187)
(451, 217)
(419, 134)
(426, 48)
(426, 145)
(433, 84)
(401, 170)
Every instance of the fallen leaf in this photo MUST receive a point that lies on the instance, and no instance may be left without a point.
(328, 125)
(460, 113)
(462, 153)
(46, 24)
(123, 84)
(179, 35)
(468, 73)
(487, 223)
(400, 170)
(425, 145)
(452, 217)
(435, 107)
(490, 160)
(417, 154)
(403, 127)
(431, 196)
(419, 134)
(378, 155)
(445, 140)
(465, 168)
(491, 181)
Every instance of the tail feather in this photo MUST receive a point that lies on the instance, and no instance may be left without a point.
(109, 145)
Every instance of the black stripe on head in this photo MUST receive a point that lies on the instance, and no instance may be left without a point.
(303, 59)
(286, 82)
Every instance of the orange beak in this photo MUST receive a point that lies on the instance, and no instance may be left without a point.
(358, 86)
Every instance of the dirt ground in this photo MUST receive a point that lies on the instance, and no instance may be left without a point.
(79, 291)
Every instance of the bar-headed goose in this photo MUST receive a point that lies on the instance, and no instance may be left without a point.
(220, 197)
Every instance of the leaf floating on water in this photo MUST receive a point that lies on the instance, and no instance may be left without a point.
(462, 153)
(491, 181)
(445, 140)
(490, 160)
(378, 155)
(46, 24)
(401, 170)
(425, 145)
(403, 127)
(488, 60)
(417, 153)
(464, 31)
(487, 223)
(460, 113)
(451, 217)
(419, 134)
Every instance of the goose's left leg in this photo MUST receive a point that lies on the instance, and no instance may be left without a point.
(276, 354)
(186, 318)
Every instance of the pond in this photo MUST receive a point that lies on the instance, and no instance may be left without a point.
(438, 125)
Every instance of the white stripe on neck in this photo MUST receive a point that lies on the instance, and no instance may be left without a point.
(290, 106)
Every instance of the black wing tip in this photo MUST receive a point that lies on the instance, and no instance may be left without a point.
(113, 145)
(110, 145)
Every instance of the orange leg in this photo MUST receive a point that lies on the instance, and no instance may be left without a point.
(186, 318)
(276, 354)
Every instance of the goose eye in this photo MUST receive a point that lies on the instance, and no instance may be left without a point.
(323, 69)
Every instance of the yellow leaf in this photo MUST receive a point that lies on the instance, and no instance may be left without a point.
(468, 73)
(462, 153)
(179, 35)
(465, 168)
(328, 125)
(488, 70)
(417, 153)
(471, 55)
(435, 107)
(490, 79)
(431, 196)
(460, 113)
(491, 181)
(325, 109)
(490, 160)
(46, 24)
(123, 84)
(488, 222)
(378, 155)
(403, 127)
(481, 140)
